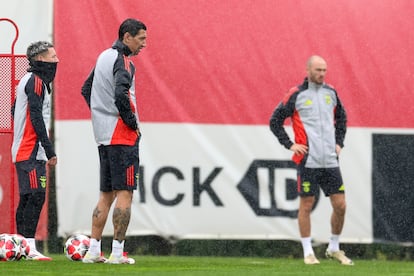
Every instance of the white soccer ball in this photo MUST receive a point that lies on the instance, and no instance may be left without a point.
(9, 248)
(76, 247)
(24, 245)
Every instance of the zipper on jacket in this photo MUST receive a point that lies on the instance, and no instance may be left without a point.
(320, 104)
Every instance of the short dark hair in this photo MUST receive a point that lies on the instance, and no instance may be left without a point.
(37, 48)
(131, 26)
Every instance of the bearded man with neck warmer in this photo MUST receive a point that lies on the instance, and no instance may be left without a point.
(32, 148)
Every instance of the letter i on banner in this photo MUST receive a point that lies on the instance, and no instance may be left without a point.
(266, 187)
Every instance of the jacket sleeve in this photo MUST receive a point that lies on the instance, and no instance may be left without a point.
(13, 108)
(284, 110)
(122, 100)
(340, 123)
(87, 88)
(35, 97)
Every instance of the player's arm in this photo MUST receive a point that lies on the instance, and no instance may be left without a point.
(283, 110)
(35, 95)
(13, 108)
(87, 88)
(122, 100)
(340, 123)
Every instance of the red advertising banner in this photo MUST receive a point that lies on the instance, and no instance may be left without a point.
(230, 62)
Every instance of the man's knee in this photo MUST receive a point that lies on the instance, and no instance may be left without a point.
(338, 203)
(38, 199)
(306, 203)
(124, 195)
(123, 199)
(340, 208)
(106, 198)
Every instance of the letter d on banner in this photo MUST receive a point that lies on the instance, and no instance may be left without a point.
(269, 187)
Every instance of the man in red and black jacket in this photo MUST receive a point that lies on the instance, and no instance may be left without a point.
(110, 94)
(31, 148)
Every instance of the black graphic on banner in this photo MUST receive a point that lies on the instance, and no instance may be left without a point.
(392, 182)
(250, 185)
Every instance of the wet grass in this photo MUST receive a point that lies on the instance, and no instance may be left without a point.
(229, 266)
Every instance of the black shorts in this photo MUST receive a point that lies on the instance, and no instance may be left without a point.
(328, 179)
(31, 175)
(119, 165)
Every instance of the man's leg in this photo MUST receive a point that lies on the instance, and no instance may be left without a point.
(99, 217)
(124, 166)
(120, 219)
(32, 196)
(122, 214)
(100, 214)
(305, 209)
(304, 220)
(337, 220)
(32, 190)
(31, 213)
(337, 223)
(338, 214)
(20, 214)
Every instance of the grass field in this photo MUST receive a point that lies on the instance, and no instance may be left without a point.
(175, 265)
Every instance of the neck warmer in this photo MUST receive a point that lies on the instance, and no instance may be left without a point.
(45, 70)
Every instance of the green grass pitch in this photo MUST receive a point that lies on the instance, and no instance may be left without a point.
(229, 266)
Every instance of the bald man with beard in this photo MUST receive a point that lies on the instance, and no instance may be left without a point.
(319, 123)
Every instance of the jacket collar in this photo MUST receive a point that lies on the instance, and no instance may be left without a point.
(121, 47)
(307, 84)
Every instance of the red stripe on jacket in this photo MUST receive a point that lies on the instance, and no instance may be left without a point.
(300, 135)
(123, 134)
(38, 85)
(28, 140)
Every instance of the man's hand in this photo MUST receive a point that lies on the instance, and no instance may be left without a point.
(338, 149)
(52, 161)
(299, 149)
(139, 134)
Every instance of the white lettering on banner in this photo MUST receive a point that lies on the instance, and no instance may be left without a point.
(285, 189)
(264, 197)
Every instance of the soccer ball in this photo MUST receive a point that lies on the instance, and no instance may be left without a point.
(9, 248)
(24, 245)
(76, 247)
